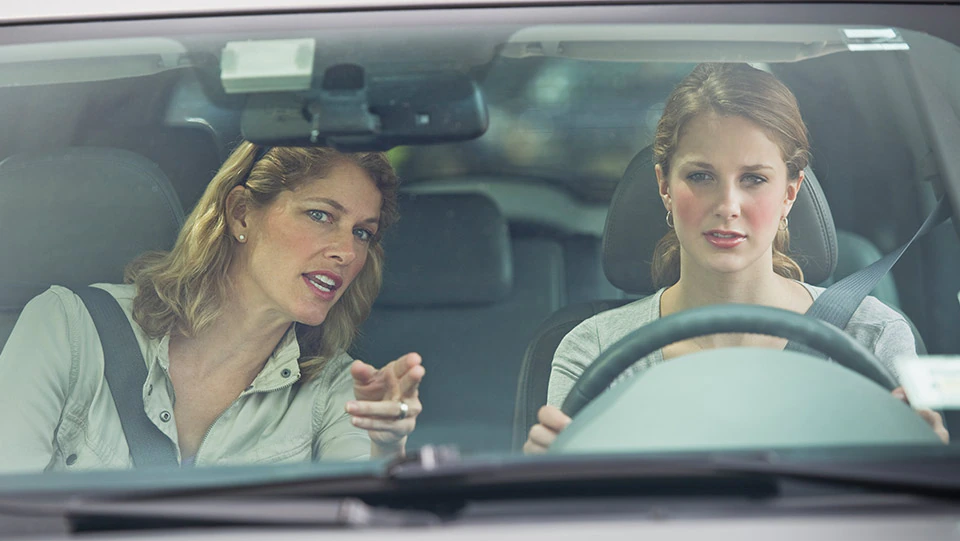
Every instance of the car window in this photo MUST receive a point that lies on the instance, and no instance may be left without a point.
(509, 235)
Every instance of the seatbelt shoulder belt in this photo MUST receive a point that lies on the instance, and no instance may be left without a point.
(838, 302)
(125, 371)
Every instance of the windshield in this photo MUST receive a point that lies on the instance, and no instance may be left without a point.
(321, 239)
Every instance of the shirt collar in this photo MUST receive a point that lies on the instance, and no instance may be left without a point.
(281, 369)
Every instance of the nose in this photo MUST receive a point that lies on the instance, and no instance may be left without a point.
(342, 247)
(728, 200)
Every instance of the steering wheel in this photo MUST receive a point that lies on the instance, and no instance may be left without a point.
(726, 318)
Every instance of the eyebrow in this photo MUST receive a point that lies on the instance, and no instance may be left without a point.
(340, 208)
(756, 167)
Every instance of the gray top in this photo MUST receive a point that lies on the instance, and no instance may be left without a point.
(878, 327)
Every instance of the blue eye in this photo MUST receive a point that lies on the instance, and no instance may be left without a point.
(364, 235)
(698, 177)
(754, 179)
(319, 216)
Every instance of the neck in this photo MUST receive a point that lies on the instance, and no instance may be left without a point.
(240, 340)
(758, 285)
(701, 287)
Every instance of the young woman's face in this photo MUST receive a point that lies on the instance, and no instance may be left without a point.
(728, 191)
(305, 248)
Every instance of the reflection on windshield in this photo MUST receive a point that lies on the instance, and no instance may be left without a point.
(534, 290)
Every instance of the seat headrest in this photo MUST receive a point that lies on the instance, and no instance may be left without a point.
(447, 249)
(77, 216)
(635, 223)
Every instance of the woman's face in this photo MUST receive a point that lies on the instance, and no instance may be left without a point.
(306, 247)
(728, 191)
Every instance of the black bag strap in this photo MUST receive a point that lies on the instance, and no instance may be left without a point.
(838, 302)
(126, 372)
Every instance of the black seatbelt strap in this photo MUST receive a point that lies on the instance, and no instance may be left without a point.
(126, 372)
(838, 302)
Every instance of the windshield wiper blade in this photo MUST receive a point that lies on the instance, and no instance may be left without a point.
(102, 515)
(930, 474)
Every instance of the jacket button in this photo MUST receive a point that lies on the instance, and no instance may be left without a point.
(285, 373)
(164, 415)
(72, 459)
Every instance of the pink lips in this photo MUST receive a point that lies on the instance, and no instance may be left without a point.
(320, 281)
(724, 239)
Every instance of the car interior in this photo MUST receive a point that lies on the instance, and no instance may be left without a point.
(506, 241)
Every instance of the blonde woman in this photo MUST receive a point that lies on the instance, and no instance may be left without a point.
(730, 150)
(243, 326)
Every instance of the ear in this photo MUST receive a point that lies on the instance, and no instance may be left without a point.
(664, 188)
(238, 212)
(793, 189)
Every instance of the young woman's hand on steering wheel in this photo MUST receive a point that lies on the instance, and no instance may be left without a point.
(542, 434)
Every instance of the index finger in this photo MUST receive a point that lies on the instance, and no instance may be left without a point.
(405, 363)
(410, 381)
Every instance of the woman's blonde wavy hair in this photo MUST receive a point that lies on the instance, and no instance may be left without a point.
(182, 291)
(730, 90)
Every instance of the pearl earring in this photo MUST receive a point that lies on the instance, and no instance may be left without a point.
(242, 238)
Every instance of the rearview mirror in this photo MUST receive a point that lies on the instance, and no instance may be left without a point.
(352, 112)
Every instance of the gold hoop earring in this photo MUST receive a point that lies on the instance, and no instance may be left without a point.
(784, 223)
(670, 219)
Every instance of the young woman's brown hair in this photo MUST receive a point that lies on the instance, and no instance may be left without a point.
(730, 90)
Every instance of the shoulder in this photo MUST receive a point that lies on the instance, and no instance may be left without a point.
(880, 328)
(124, 293)
(872, 312)
(63, 300)
(614, 324)
(69, 300)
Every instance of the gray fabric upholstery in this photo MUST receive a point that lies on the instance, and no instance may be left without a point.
(635, 223)
(449, 249)
(77, 216)
(471, 351)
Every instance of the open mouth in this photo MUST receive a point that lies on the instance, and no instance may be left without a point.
(323, 282)
(721, 235)
(724, 239)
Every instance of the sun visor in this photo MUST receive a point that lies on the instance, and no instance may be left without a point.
(693, 42)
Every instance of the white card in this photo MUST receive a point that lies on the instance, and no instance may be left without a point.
(932, 381)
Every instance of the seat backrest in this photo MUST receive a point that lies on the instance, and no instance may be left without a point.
(77, 216)
(635, 223)
(466, 296)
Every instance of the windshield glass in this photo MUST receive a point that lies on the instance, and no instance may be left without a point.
(317, 238)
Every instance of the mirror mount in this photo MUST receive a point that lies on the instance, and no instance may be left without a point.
(353, 112)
